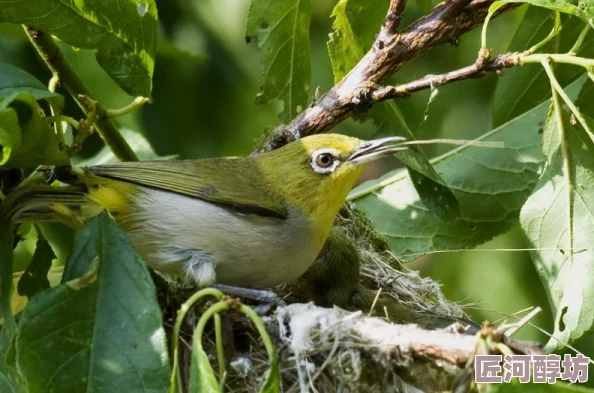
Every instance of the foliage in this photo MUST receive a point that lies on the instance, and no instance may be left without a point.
(558, 220)
(124, 37)
(101, 328)
(26, 138)
(282, 30)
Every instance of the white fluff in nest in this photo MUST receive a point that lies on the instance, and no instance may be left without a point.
(242, 366)
(297, 321)
(297, 325)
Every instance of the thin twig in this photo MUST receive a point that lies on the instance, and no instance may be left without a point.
(131, 107)
(54, 59)
(476, 70)
(556, 86)
(394, 17)
(578, 43)
(62, 118)
(516, 326)
(556, 29)
(51, 86)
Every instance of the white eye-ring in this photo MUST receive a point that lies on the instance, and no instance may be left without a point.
(324, 160)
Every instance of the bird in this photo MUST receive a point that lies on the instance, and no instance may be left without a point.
(248, 222)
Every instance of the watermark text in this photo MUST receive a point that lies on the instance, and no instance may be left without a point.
(541, 368)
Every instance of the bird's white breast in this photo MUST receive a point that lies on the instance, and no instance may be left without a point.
(180, 234)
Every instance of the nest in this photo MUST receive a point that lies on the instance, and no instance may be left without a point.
(329, 349)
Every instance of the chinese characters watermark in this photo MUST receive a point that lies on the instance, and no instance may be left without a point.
(542, 368)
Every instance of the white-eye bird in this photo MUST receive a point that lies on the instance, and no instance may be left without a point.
(253, 222)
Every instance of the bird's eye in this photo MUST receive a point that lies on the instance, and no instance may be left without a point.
(325, 160)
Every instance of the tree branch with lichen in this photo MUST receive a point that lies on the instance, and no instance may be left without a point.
(480, 68)
(63, 71)
(429, 360)
(391, 50)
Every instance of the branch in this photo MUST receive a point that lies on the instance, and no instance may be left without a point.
(477, 70)
(390, 51)
(343, 344)
(54, 59)
(393, 18)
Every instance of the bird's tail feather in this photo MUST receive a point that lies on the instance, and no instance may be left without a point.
(43, 203)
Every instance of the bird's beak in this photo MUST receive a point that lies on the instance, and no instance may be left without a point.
(372, 150)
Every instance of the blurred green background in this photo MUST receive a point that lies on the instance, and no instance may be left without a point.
(205, 81)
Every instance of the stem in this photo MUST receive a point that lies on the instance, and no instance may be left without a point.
(504, 349)
(131, 107)
(51, 86)
(59, 118)
(492, 10)
(212, 310)
(518, 325)
(557, 58)
(578, 44)
(553, 33)
(393, 18)
(181, 313)
(257, 321)
(54, 59)
(219, 345)
(557, 87)
(53, 83)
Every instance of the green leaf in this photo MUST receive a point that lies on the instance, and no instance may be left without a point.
(6, 247)
(432, 189)
(30, 142)
(282, 30)
(13, 80)
(491, 185)
(10, 380)
(202, 376)
(35, 279)
(99, 332)
(583, 9)
(438, 198)
(10, 133)
(272, 381)
(558, 219)
(6, 385)
(344, 47)
(586, 98)
(365, 18)
(123, 33)
(522, 88)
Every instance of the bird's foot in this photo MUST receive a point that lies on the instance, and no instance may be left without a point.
(268, 298)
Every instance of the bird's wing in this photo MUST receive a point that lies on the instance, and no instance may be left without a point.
(222, 181)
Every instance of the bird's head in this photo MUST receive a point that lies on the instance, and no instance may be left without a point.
(316, 173)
